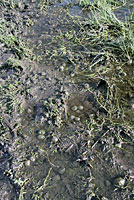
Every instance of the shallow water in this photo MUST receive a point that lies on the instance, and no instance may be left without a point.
(57, 149)
(60, 153)
(125, 13)
(66, 145)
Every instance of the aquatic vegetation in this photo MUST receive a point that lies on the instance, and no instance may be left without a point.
(72, 110)
(108, 35)
(84, 3)
(101, 3)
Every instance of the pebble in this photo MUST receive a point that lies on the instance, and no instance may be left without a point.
(27, 163)
(61, 89)
(130, 61)
(64, 65)
(49, 122)
(42, 132)
(46, 115)
(49, 78)
(61, 68)
(32, 158)
(29, 110)
(119, 145)
(54, 139)
(80, 107)
(86, 86)
(72, 74)
(88, 132)
(45, 102)
(132, 106)
(43, 73)
(67, 93)
(78, 111)
(104, 198)
(20, 5)
(119, 182)
(74, 108)
(72, 117)
(122, 182)
(77, 119)
(41, 137)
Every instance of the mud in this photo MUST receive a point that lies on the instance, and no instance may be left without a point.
(60, 133)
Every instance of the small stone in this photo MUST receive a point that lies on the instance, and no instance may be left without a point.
(54, 139)
(45, 102)
(49, 78)
(132, 106)
(64, 65)
(88, 132)
(47, 115)
(122, 182)
(43, 73)
(80, 107)
(119, 145)
(61, 89)
(72, 117)
(41, 137)
(74, 108)
(32, 158)
(29, 110)
(49, 122)
(104, 198)
(86, 86)
(42, 132)
(61, 68)
(78, 111)
(27, 163)
(67, 93)
(130, 61)
(77, 119)
(20, 5)
(72, 74)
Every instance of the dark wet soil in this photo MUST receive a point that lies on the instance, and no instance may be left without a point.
(58, 139)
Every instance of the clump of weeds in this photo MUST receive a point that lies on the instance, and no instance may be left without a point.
(110, 44)
(97, 4)
(109, 36)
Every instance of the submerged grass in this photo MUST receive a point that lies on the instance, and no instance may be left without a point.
(107, 34)
(99, 3)
(11, 4)
(11, 40)
(115, 39)
(110, 41)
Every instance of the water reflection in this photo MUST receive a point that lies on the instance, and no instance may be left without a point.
(125, 12)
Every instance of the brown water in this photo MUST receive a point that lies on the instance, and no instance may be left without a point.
(67, 146)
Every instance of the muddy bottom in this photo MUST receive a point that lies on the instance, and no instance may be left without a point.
(58, 139)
